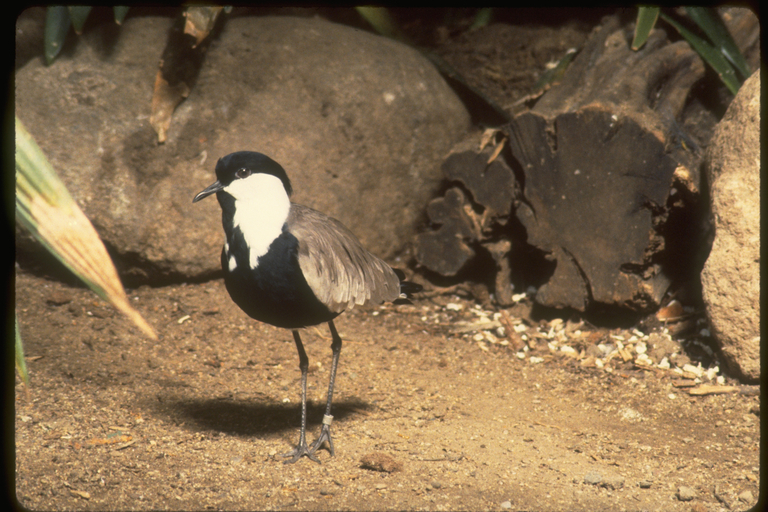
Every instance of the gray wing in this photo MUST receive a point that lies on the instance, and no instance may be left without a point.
(338, 269)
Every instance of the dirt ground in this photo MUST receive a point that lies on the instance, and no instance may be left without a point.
(196, 421)
(453, 405)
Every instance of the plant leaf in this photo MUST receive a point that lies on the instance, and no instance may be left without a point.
(56, 28)
(382, 22)
(482, 18)
(716, 31)
(78, 14)
(646, 20)
(21, 363)
(553, 75)
(165, 99)
(121, 11)
(45, 208)
(200, 20)
(710, 54)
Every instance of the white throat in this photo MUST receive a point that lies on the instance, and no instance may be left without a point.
(261, 209)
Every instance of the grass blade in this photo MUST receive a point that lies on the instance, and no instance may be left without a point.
(482, 18)
(56, 28)
(78, 15)
(646, 20)
(553, 75)
(382, 22)
(45, 208)
(121, 11)
(708, 20)
(710, 54)
(21, 363)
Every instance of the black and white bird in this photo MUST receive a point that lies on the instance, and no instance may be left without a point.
(291, 266)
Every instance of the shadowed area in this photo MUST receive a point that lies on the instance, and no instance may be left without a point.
(245, 417)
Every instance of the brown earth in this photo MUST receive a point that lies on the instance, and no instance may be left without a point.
(114, 421)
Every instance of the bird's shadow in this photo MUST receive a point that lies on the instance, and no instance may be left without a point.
(248, 418)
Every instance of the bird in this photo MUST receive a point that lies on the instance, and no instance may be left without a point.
(291, 266)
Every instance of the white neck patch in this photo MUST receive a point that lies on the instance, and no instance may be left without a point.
(261, 209)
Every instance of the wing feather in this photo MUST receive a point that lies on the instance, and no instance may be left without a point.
(338, 269)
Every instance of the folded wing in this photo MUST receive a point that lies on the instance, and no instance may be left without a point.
(338, 269)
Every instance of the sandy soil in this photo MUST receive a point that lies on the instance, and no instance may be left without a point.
(114, 421)
(454, 413)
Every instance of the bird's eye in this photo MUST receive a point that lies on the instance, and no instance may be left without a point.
(243, 173)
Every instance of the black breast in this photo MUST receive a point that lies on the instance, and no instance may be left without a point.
(275, 291)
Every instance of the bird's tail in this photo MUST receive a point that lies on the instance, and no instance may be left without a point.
(407, 288)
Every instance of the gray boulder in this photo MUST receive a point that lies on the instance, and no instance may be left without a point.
(731, 275)
(360, 123)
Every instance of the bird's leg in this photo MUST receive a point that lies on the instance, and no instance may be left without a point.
(301, 448)
(325, 432)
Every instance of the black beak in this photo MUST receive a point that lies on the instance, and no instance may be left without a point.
(211, 189)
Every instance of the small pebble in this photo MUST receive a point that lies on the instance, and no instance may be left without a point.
(644, 484)
(380, 462)
(594, 351)
(746, 497)
(685, 493)
(59, 298)
(696, 370)
(612, 482)
(643, 360)
(593, 478)
(506, 505)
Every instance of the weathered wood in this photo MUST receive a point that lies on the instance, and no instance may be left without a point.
(598, 167)
(468, 214)
(446, 249)
(596, 159)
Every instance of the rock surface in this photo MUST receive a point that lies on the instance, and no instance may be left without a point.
(731, 275)
(360, 123)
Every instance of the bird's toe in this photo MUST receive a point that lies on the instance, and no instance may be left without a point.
(325, 435)
(298, 452)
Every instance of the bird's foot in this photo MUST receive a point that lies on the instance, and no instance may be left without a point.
(325, 435)
(297, 453)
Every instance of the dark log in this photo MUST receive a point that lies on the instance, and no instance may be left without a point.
(596, 160)
(598, 168)
(446, 249)
(467, 217)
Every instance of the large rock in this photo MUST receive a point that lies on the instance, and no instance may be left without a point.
(731, 275)
(360, 123)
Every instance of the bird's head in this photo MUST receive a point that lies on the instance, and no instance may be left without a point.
(247, 176)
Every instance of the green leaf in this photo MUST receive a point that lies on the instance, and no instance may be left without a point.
(716, 31)
(56, 28)
(21, 363)
(382, 22)
(78, 14)
(646, 20)
(553, 75)
(710, 54)
(121, 11)
(482, 18)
